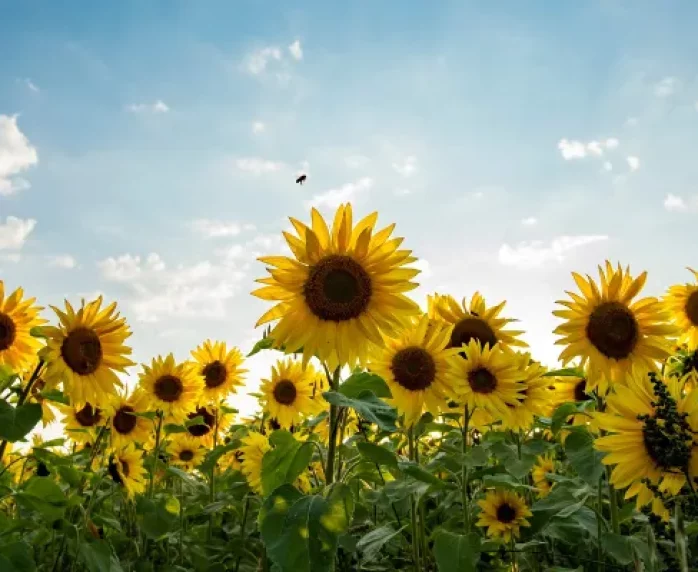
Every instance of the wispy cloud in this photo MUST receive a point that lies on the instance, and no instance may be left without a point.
(573, 149)
(633, 162)
(62, 261)
(537, 253)
(29, 84)
(296, 50)
(529, 221)
(258, 127)
(666, 87)
(407, 167)
(14, 232)
(16, 155)
(256, 63)
(334, 197)
(677, 203)
(257, 165)
(158, 107)
(219, 229)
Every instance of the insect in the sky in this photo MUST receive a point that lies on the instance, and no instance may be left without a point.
(301, 179)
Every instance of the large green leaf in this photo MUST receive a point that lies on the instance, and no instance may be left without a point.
(456, 552)
(263, 344)
(357, 383)
(579, 448)
(419, 473)
(273, 513)
(156, 521)
(20, 557)
(98, 557)
(619, 547)
(340, 501)
(377, 454)
(368, 406)
(285, 462)
(44, 496)
(371, 544)
(17, 422)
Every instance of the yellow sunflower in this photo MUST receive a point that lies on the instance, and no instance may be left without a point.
(48, 415)
(288, 396)
(488, 378)
(86, 350)
(171, 387)
(126, 469)
(682, 302)
(232, 461)
(571, 389)
(220, 368)
(340, 291)
(610, 332)
(17, 317)
(644, 496)
(82, 422)
(253, 448)
(684, 366)
(474, 321)
(126, 427)
(186, 451)
(503, 514)
(212, 429)
(418, 368)
(534, 397)
(544, 464)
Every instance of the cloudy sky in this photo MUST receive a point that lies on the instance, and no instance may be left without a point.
(148, 150)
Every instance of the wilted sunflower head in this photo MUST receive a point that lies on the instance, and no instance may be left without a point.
(344, 287)
(17, 317)
(682, 303)
(170, 387)
(220, 368)
(503, 514)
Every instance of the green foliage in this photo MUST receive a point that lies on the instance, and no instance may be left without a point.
(367, 406)
(456, 552)
(17, 422)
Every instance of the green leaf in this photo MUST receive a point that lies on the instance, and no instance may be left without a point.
(98, 557)
(619, 547)
(215, 454)
(477, 457)
(561, 414)
(38, 332)
(7, 376)
(44, 496)
(179, 473)
(156, 520)
(368, 406)
(273, 513)
(170, 428)
(371, 544)
(456, 552)
(340, 501)
(504, 480)
(19, 556)
(288, 459)
(579, 448)
(521, 467)
(565, 372)
(419, 473)
(70, 475)
(263, 344)
(172, 505)
(357, 383)
(17, 422)
(377, 454)
(55, 395)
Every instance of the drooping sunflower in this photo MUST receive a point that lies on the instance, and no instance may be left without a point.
(126, 468)
(82, 422)
(86, 350)
(171, 387)
(186, 451)
(503, 514)
(534, 397)
(220, 368)
(253, 448)
(544, 464)
(17, 317)
(126, 426)
(288, 395)
(608, 331)
(418, 368)
(682, 302)
(340, 291)
(474, 321)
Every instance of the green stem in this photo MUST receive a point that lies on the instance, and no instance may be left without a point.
(413, 511)
(333, 381)
(464, 471)
(242, 530)
(156, 455)
(341, 422)
(22, 398)
(422, 515)
(212, 477)
(613, 502)
(181, 523)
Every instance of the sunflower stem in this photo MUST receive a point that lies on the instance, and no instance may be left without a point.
(464, 471)
(413, 511)
(212, 477)
(333, 381)
(613, 503)
(242, 530)
(22, 398)
(156, 455)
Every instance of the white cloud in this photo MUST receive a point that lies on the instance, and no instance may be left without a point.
(607, 166)
(14, 232)
(666, 87)
(334, 197)
(124, 268)
(16, 156)
(256, 62)
(595, 148)
(258, 127)
(408, 166)
(573, 149)
(158, 107)
(13, 257)
(356, 161)
(31, 86)
(402, 192)
(675, 203)
(631, 121)
(633, 162)
(424, 267)
(257, 165)
(612, 143)
(529, 221)
(296, 50)
(62, 261)
(536, 253)
(217, 228)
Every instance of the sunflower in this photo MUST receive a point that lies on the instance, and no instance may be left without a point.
(534, 397)
(644, 496)
(473, 321)
(126, 426)
(48, 415)
(684, 366)
(682, 302)
(572, 389)
(220, 368)
(253, 448)
(171, 387)
(288, 396)
(17, 317)
(609, 332)
(503, 514)
(417, 368)
(81, 422)
(232, 461)
(544, 464)
(186, 451)
(341, 289)
(86, 350)
(126, 469)
(213, 426)
(488, 378)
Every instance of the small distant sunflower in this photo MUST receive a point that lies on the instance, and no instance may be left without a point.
(489, 378)
(682, 302)
(220, 368)
(82, 422)
(474, 321)
(417, 368)
(534, 397)
(232, 461)
(212, 419)
(126, 427)
(288, 395)
(608, 331)
(544, 464)
(17, 317)
(86, 350)
(126, 469)
(171, 387)
(186, 451)
(503, 514)
(253, 448)
(343, 287)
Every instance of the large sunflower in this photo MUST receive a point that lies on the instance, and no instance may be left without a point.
(86, 350)
(220, 368)
(609, 332)
(82, 422)
(341, 289)
(126, 468)
(418, 368)
(534, 398)
(171, 387)
(126, 426)
(474, 321)
(17, 317)
(682, 302)
(288, 396)
(503, 514)
(253, 448)
(186, 451)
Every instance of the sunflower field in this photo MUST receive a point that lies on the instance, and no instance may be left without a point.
(391, 434)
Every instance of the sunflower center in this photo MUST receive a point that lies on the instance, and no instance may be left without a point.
(7, 331)
(471, 328)
(285, 392)
(114, 473)
(88, 416)
(482, 380)
(338, 289)
(506, 513)
(186, 455)
(664, 446)
(691, 311)
(124, 468)
(215, 374)
(124, 421)
(413, 368)
(169, 388)
(206, 426)
(613, 330)
(82, 351)
(580, 393)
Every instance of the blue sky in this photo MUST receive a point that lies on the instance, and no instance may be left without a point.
(148, 149)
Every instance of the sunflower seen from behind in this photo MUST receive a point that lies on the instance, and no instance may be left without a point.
(682, 303)
(503, 513)
(126, 469)
(186, 451)
(171, 387)
(220, 368)
(340, 290)
(18, 316)
(126, 425)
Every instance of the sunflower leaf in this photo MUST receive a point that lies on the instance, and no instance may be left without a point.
(265, 343)
(38, 332)
(356, 383)
(17, 422)
(377, 454)
(55, 395)
(565, 372)
(288, 459)
(456, 552)
(368, 406)
(579, 448)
